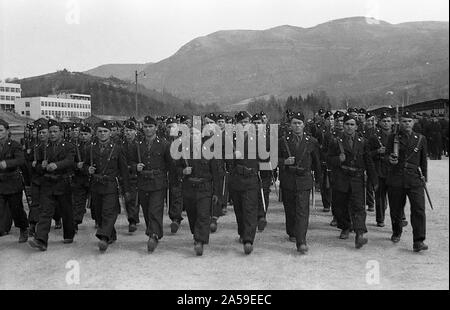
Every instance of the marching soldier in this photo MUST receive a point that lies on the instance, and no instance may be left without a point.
(322, 133)
(132, 202)
(106, 164)
(200, 188)
(244, 183)
(298, 155)
(369, 131)
(408, 163)
(55, 163)
(11, 184)
(350, 159)
(151, 159)
(175, 202)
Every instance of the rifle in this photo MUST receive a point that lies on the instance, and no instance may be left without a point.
(121, 198)
(24, 190)
(313, 190)
(89, 196)
(262, 192)
(424, 184)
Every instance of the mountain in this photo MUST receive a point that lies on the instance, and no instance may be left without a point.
(120, 71)
(354, 57)
(108, 95)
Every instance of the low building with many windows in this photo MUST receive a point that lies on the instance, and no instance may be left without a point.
(9, 92)
(61, 106)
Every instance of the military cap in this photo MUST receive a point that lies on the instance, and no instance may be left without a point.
(228, 119)
(4, 123)
(86, 128)
(369, 115)
(183, 118)
(384, 115)
(289, 114)
(351, 110)
(171, 120)
(338, 114)
(220, 116)
(327, 114)
(211, 116)
(104, 124)
(407, 114)
(297, 115)
(242, 115)
(41, 125)
(52, 122)
(362, 111)
(130, 125)
(321, 111)
(31, 126)
(256, 117)
(348, 117)
(149, 120)
(262, 113)
(133, 119)
(178, 116)
(76, 125)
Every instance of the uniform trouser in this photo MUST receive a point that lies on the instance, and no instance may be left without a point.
(33, 214)
(350, 209)
(106, 208)
(266, 192)
(370, 195)
(296, 209)
(325, 192)
(11, 208)
(132, 205)
(79, 196)
(217, 209)
(397, 200)
(245, 204)
(48, 205)
(153, 208)
(176, 202)
(198, 209)
(381, 200)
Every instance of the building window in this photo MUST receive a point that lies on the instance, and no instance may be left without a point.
(2, 97)
(8, 98)
(7, 89)
(22, 113)
(2, 89)
(27, 104)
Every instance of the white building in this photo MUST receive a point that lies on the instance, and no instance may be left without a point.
(9, 92)
(55, 106)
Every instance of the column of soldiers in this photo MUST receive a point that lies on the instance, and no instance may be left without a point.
(354, 161)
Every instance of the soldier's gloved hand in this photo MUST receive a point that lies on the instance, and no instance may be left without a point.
(91, 170)
(382, 150)
(52, 167)
(80, 165)
(215, 199)
(289, 161)
(33, 164)
(342, 157)
(2, 164)
(187, 170)
(44, 164)
(140, 167)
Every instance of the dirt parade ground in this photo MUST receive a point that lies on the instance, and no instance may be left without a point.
(275, 264)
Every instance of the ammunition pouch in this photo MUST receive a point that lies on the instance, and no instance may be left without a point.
(103, 179)
(151, 174)
(352, 171)
(411, 168)
(244, 171)
(199, 183)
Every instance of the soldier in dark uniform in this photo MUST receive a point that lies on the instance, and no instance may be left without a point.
(361, 120)
(200, 185)
(221, 121)
(378, 142)
(408, 160)
(175, 176)
(445, 133)
(244, 183)
(298, 156)
(108, 169)
(435, 137)
(152, 160)
(55, 163)
(350, 158)
(131, 203)
(369, 131)
(11, 187)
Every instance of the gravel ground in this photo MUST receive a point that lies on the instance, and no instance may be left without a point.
(274, 264)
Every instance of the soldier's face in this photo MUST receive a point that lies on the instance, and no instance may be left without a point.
(85, 136)
(149, 130)
(114, 131)
(3, 132)
(297, 125)
(221, 123)
(339, 124)
(386, 123)
(370, 122)
(43, 135)
(257, 122)
(350, 126)
(130, 134)
(103, 134)
(34, 133)
(407, 123)
(54, 133)
(265, 120)
(76, 132)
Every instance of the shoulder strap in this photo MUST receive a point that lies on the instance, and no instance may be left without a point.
(109, 159)
(416, 149)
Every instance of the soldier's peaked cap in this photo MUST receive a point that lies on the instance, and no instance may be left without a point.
(327, 114)
(149, 120)
(348, 117)
(407, 114)
(384, 115)
(338, 114)
(242, 115)
(52, 122)
(104, 124)
(211, 116)
(130, 125)
(297, 115)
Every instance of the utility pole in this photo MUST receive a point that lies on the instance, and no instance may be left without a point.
(136, 94)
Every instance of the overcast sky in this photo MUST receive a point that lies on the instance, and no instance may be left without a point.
(38, 37)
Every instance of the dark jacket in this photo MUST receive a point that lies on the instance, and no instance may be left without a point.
(10, 181)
